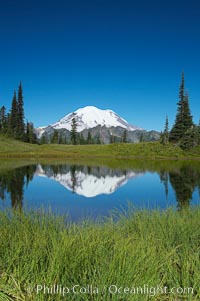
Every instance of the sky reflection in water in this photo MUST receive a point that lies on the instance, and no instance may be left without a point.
(83, 191)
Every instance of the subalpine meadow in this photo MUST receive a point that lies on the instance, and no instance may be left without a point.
(130, 250)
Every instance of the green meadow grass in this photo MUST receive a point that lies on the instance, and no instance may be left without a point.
(10, 148)
(136, 249)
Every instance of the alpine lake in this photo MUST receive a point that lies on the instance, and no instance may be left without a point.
(93, 189)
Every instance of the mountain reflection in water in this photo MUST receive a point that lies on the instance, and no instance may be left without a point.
(90, 182)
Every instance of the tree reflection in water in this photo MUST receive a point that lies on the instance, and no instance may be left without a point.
(183, 179)
(13, 182)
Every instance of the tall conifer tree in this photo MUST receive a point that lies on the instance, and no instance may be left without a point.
(124, 136)
(14, 116)
(3, 120)
(30, 135)
(187, 117)
(20, 118)
(165, 134)
(183, 117)
(74, 129)
(89, 138)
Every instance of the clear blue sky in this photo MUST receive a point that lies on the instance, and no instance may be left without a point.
(119, 54)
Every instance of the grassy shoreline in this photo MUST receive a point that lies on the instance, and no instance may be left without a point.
(154, 248)
(10, 148)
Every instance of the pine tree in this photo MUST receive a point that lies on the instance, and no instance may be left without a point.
(60, 139)
(89, 138)
(161, 137)
(30, 134)
(178, 130)
(166, 130)
(111, 138)
(14, 116)
(8, 130)
(98, 140)
(141, 138)
(187, 117)
(165, 134)
(27, 132)
(74, 129)
(3, 120)
(20, 116)
(198, 133)
(124, 137)
(43, 140)
(55, 137)
(13, 124)
(82, 140)
(77, 138)
(183, 117)
(191, 138)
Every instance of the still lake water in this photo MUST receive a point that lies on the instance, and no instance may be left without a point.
(91, 191)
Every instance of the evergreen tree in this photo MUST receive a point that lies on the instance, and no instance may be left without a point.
(141, 138)
(111, 139)
(78, 138)
(190, 138)
(114, 139)
(166, 130)
(89, 138)
(30, 134)
(165, 134)
(198, 133)
(82, 140)
(3, 120)
(27, 132)
(13, 124)
(60, 139)
(98, 140)
(43, 140)
(183, 117)
(54, 138)
(161, 137)
(14, 116)
(65, 139)
(124, 137)
(20, 115)
(8, 125)
(178, 129)
(74, 130)
(187, 117)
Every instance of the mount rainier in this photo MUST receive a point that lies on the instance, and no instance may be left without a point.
(102, 123)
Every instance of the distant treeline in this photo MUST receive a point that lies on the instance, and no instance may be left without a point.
(75, 138)
(12, 123)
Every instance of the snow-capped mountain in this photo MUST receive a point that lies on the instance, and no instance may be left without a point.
(89, 185)
(103, 126)
(89, 117)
